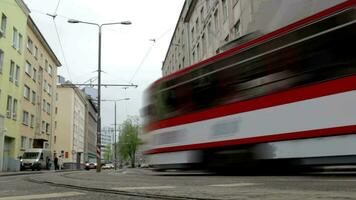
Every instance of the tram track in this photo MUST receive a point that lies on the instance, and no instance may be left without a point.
(118, 192)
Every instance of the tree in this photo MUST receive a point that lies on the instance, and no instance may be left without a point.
(129, 140)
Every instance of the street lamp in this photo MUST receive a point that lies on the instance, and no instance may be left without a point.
(98, 145)
(115, 157)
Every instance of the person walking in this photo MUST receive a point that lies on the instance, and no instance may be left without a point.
(56, 167)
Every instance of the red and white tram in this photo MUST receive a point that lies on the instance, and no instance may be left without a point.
(289, 95)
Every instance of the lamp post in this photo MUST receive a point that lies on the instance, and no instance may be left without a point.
(115, 151)
(98, 139)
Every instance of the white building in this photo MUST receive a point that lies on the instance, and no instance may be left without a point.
(207, 27)
(107, 136)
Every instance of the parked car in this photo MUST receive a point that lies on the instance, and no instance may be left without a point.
(108, 166)
(36, 159)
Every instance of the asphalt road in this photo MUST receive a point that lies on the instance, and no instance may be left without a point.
(144, 184)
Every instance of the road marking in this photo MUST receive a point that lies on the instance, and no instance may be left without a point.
(235, 185)
(42, 196)
(144, 188)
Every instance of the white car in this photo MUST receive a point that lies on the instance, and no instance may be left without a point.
(108, 166)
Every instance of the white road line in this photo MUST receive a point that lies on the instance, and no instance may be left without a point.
(144, 188)
(42, 196)
(235, 185)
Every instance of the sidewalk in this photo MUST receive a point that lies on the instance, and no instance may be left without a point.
(34, 172)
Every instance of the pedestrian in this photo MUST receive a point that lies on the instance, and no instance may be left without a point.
(60, 162)
(56, 163)
(48, 160)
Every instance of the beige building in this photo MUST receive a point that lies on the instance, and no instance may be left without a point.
(208, 27)
(39, 81)
(75, 126)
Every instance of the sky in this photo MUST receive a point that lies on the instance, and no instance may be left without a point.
(128, 53)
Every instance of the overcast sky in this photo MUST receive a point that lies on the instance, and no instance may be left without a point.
(124, 48)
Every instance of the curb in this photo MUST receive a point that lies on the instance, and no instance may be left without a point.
(18, 173)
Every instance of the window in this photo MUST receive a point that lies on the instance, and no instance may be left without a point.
(33, 99)
(28, 68)
(26, 92)
(32, 121)
(236, 29)
(36, 52)
(193, 33)
(55, 139)
(30, 45)
(1, 60)
(47, 127)
(44, 85)
(12, 71)
(43, 126)
(197, 25)
(3, 25)
(25, 118)
(224, 5)
(50, 70)
(48, 108)
(14, 110)
(49, 89)
(8, 106)
(203, 40)
(19, 49)
(56, 110)
(46, 65)
(55, 124)
(44, 105)
(15, 38)
(202, 16)
(34, 75)
(216, 20)
(17, 74)
(23, 142)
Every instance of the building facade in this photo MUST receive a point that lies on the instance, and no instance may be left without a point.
(13, 27)
(107, 136)
(69, 133)
(90, 130)
(208, 27)
(39, 81)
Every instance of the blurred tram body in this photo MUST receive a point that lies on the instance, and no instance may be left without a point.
(287, 97)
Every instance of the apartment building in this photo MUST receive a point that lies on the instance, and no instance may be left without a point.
(39, 89)
(75, 126)
(208, 27)
(13, 26)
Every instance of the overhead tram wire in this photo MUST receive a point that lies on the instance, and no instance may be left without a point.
(149, 51)
(66, 66)
(142, 61)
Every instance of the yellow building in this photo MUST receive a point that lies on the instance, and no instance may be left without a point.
(13, 16)
(28, 72)
(39, 89)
